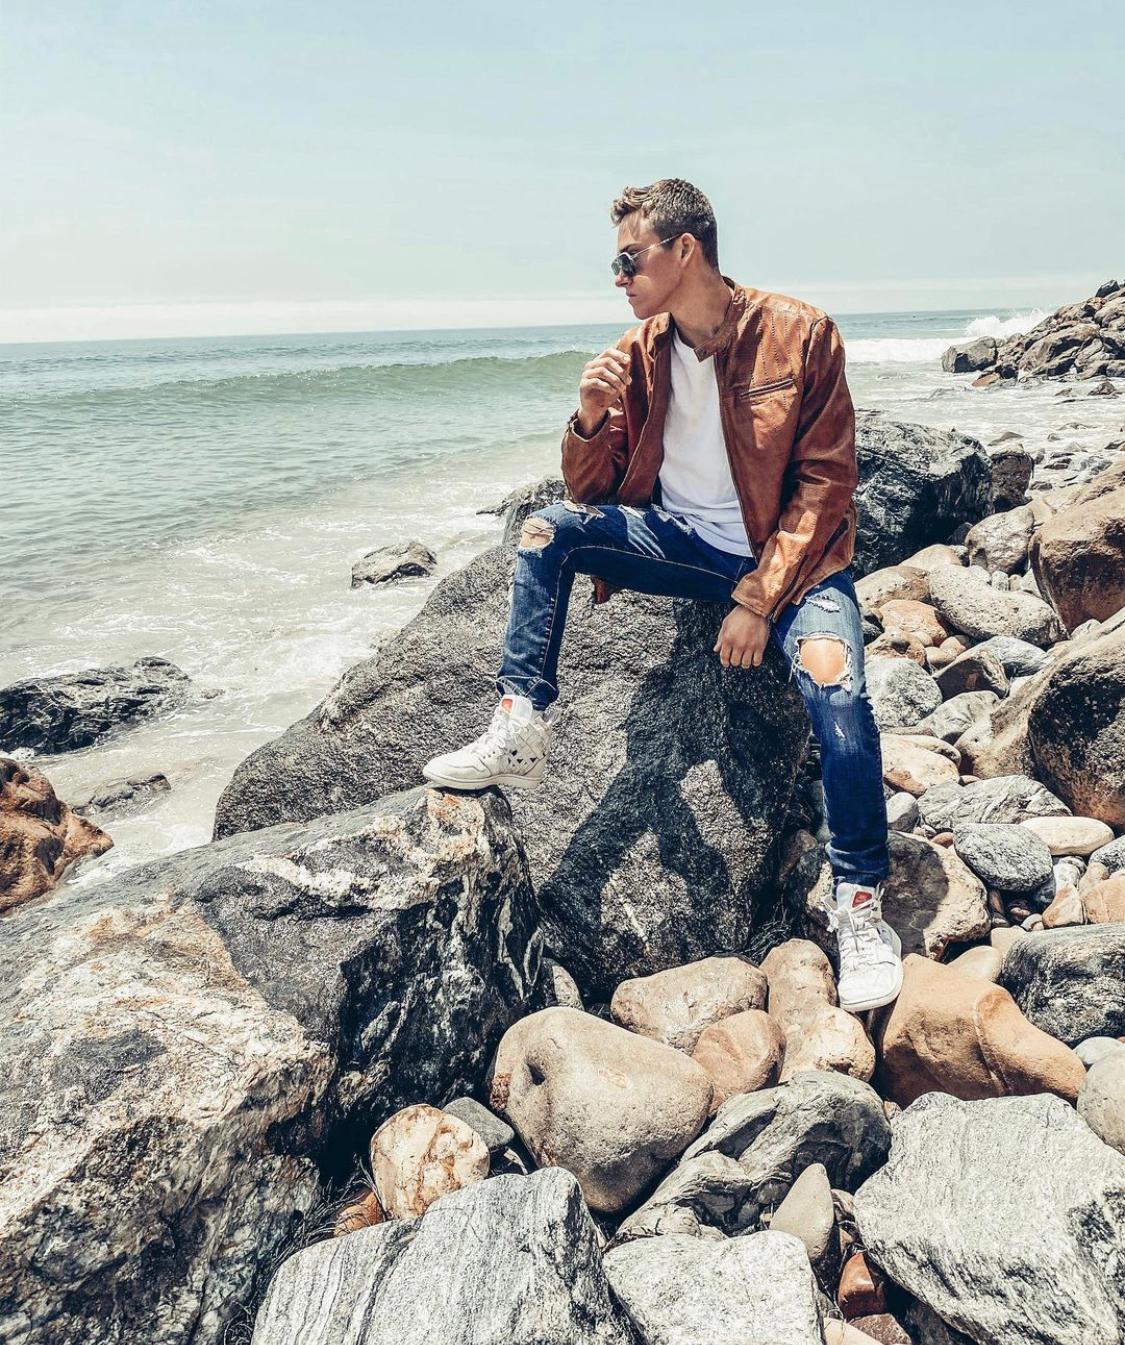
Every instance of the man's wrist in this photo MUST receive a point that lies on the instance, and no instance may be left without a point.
(587, 427)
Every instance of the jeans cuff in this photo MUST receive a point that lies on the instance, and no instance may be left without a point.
(538, 690)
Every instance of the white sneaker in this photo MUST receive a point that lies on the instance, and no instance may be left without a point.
(511, 751)
(870, 950)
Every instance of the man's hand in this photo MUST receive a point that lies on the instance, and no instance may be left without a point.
(742, 640)
(603, 381)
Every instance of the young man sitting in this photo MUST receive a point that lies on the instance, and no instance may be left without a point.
(712, 456)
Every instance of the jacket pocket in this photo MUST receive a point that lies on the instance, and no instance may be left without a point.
(761, 389)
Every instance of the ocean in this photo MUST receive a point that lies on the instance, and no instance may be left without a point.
(205, 499)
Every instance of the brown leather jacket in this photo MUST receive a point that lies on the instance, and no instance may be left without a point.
(789, 425)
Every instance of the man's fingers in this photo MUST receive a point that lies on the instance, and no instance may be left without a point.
(619, 367)
(606, 371)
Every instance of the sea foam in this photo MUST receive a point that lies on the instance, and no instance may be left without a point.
(992, 325)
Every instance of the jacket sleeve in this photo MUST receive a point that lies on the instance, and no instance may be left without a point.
(821, 479)
(594, 468)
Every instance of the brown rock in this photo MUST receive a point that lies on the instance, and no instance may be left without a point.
(362, 1213)
(808, 1213)
(837, 1332)
(908, 617)
(893, 581)
(998, 743)
(861, 1290)
(974, 670)
(1070, 835)
(741, 1054)
(819, 1035)
(957, 1034)
(1076, 725)
(939, 658)
(1000, 541)
(930, 557)
(1095, 873)
(983, 962)
(1078, 556)
(931, 897)
(908, 765)
(674, 1006)
(1104, 903)
(40, 837)
(613, 1107)
(893, 644)
(881, 1328)
(421, 1153)
(1002, 939)
(1066, 908)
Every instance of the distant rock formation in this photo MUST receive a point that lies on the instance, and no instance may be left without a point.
(1083, 340)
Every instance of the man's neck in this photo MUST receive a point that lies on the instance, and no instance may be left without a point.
(702, 312)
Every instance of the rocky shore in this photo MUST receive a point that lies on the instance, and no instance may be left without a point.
(1083, 340)
(384, 1063)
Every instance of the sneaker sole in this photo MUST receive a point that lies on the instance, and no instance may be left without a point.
(863, 1005)
(510, 781)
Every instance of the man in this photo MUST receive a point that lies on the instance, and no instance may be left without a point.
(712, 456)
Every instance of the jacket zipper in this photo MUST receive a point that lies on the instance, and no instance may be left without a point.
(730, 460)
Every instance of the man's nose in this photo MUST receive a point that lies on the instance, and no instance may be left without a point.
(622, 280)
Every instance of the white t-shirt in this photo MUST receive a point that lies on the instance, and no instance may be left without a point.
(695, 479)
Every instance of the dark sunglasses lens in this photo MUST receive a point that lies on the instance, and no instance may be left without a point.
(623, 265)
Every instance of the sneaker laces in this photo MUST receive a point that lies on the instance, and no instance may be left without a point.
(506, 728)
(860, 929)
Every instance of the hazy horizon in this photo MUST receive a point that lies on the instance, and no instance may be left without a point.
(198, 321)
(202, 170)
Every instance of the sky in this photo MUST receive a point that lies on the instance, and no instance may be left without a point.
(203, 168)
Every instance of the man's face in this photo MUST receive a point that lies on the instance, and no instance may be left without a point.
(659, 271)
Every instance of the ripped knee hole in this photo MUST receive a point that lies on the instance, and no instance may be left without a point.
(826, 659)
(536, 533)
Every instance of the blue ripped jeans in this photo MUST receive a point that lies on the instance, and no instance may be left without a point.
(651, 551)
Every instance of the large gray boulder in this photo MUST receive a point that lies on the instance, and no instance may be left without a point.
(1003, 855)
(1070, 982)
(653, 835)
(969, 603)
(970, 358)
(1002, 798)
(509, 1261)
(613, 1107)
(754, 1290)
(902, 692)
(188, 1048)
(1005, 1216)
(400, 560)
(916, 486)
(73, 710)
(757, 1146)
(1076, 726)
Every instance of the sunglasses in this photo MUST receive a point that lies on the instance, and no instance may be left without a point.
(625, 263)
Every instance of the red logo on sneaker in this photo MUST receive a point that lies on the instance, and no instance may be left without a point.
(862, 899)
